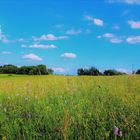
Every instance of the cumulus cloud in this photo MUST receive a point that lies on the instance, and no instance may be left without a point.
(134, 24)
(49, 37)
(96, 21)
(59, 69)
(131, 2)
(41, 46)
(73, 32)
(32, 56)
(69, 55)
(112, 38)
(133, 39)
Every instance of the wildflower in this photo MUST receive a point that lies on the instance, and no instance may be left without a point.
(116, 131)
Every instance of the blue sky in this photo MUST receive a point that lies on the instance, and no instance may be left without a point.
(69, 34)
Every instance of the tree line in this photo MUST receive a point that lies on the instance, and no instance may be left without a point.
(27, 70)
(95, 72)
(43, 70)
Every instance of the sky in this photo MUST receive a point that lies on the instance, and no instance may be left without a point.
(69, 34)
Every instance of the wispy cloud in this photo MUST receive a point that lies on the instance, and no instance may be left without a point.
(96, 21)
(116, 27)
(123, 70)
(108, 35)
(88, 31)
(59, 70)
(6, 53)
(3, 37)
(134, 24)
(32, 56)
(112, 38)
(131, 2)
(49, 37)
(133, 40)
(73, 32)
(69, 55)
(116, 40)
(39, 46)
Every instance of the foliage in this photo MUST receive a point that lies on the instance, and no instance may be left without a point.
(90, 71)
(28, 70)
(138, 71)
(112, 72)
(95, 72)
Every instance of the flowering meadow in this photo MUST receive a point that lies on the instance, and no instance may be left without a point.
(69, 108)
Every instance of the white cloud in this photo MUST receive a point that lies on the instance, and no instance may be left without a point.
(49, 37)
(87, 17)
(32, 56)
(134, 24)
(73, 32)
(5, 52)
(116, 40)
(41, 46)
(112, 38)
(133, 39)
(59, 70)
(3, 37)
(22, 40)
(108, 35)
(69, 55)
(124, 70)
(125, 1)
(96, 21)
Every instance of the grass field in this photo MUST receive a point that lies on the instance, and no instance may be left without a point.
(75, 108)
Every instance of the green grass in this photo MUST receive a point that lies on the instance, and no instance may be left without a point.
(75, 108)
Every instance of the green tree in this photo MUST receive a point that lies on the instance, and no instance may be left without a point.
(138, 71)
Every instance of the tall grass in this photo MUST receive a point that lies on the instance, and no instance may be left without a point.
(69, 108)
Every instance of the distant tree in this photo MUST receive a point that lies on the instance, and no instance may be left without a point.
(80, 71)
(91, 71)
(42, 70)
(94, 71)
(138, 71)
(50, 71)
(27, 70)
(112, 72)
(8, 69)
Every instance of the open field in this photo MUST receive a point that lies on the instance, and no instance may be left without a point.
(59, 107)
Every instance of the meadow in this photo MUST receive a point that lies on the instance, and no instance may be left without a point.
(69, 107)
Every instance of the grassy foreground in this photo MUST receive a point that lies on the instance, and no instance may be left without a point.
(69, 108)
